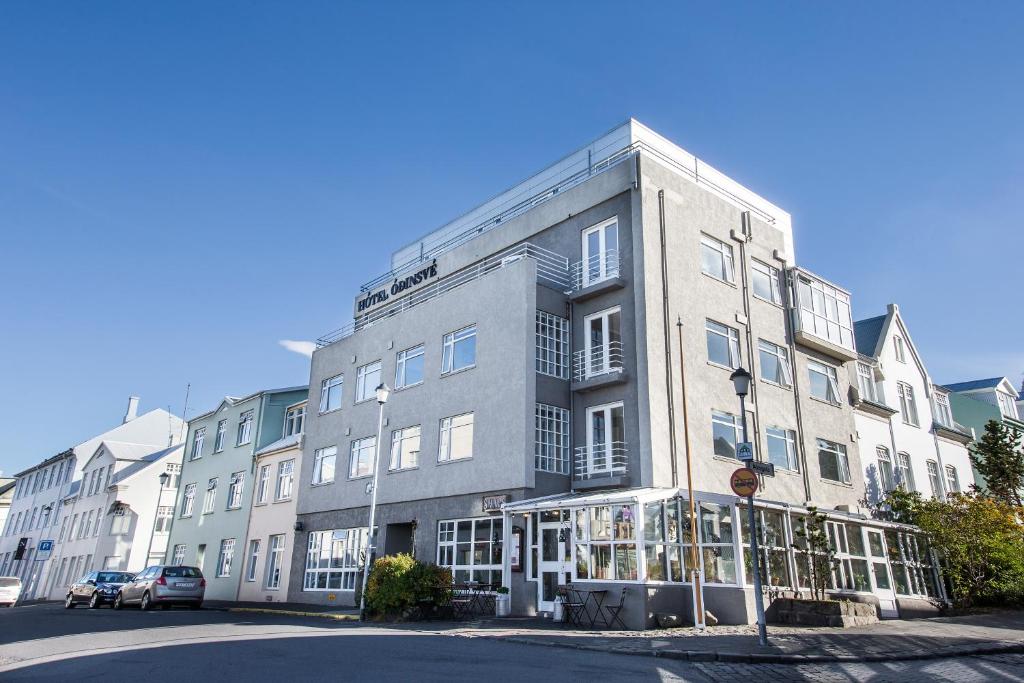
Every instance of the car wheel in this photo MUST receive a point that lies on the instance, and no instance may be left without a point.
(94, 601)
(146, 603)
(118, 601)
(69, 602)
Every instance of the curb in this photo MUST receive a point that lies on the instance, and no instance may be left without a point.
(296, 613)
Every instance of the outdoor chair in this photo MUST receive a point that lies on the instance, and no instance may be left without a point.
(613, 611)
(571, 605)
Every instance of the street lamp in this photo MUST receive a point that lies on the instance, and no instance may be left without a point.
(371, 537)
(741, 381)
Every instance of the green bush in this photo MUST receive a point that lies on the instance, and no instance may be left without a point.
(398, 582)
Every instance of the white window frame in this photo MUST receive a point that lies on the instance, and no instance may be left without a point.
(604, 264)
(236, 487)
(934, 479)
(898, 348)
(841, 455)
(275, 562)
(449, 345)
(405, 449)
(285, 482)
(825, 311)
(866, 382)
(772, 274)
(188, 500)
(943, 411)
(263, 484)
(225, 557)
(1007, 405)
(324, 459)
(361, 457)
(886, 476)
(366, 385)
(402, 360)
(178, 556)
(294, 420)
(726, 263)
(210, 498)
(552, 344)
(444, 443)
(730, 421)
(831, 378)
(450, 550)
(600, 354)
(245, 428)
(908, 404)
(551, 439)
(253, 559)
(952, 480)
(198, 437)
(788, 438)
(164, 514)
(780, 354)
(905, 472)
(328, 397)
(222, 436)
(336, 556)
(713, 328)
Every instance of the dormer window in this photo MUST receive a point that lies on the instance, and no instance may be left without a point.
(866, 383)
(1006, 405)
(293, 420)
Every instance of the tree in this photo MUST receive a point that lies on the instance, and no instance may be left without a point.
(999, 457)
(818, 554)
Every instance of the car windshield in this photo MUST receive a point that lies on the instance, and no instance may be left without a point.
(183, 572)
(9, 582)
(113, 577)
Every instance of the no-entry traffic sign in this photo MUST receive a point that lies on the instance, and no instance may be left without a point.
(743, 482)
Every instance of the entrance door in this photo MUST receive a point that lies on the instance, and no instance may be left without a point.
(555, 557)
(880, 577)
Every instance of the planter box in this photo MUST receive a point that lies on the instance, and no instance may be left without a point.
(836, 613)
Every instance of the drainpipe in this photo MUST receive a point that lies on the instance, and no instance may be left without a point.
(668, 343)
(790, 331)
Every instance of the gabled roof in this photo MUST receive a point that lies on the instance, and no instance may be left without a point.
(145, 462)
(123, 450)
(866, 334)
(990, 383)
(233, 400)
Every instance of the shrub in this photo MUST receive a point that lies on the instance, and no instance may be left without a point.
(399, 582)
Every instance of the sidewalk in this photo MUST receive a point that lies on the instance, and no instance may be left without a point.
(295, 609)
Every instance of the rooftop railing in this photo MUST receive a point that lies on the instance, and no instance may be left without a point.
(594, 269)
(600, 460)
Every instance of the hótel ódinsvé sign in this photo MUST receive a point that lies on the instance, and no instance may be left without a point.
(398, 288)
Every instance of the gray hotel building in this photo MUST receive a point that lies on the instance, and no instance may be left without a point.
(556, 356)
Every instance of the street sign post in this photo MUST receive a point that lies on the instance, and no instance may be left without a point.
(765, 469)
(743, 482)
(745, 451)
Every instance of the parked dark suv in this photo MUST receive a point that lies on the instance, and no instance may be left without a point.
(96, 588)
(163, 585)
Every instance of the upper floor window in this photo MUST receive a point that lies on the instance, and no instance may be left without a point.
(723, 344)
(775, 366)
(824, 381)
(285, 477)
(163, 519)
(456, 442)
(908, 405)
(210, 501)
(782, 448)
(188, 499)
(409, 367)
(330, 393)
(825, 311)
(833, 461)
(725, 433)
(459, 350)
(293, 419)
(405, 448)
(885, 472)
(323, 464)
(897, 344)
(766, 282)
(360, 461)
(244, 428)
(367, 381)
(263, 484)
(952, 480)
(222, 435)
(600, 252)
(198, 437)
(904, 472)
(933, 479)
(552, 343)
(943, 414)
(235, 490)
(716, 259)
(1006, 405)
(866, 383)
(551, 439)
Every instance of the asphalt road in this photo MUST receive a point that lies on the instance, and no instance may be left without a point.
(47, 642)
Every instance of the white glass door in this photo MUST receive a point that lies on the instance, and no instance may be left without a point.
(881, 579)
(554, 558)
(604, 342)
(601, 252)
(605, 438)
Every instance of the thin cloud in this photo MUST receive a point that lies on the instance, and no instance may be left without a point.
(303, 348)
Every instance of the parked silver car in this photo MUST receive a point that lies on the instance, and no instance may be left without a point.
(96, 588)
(10, 589)
(163, 585)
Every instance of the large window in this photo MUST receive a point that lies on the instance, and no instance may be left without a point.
(409, 367)
(458, 351)
(833, 462)
(222, 432)
(405, 448)
(198, 437)
(866, 383)
(911, 562)
(775, 367)
(851, 564)
(952, 480)
(471, 548)
(293, 420)
(766, 282)
(904, 472)
(782, 448)
(225, 557)
(275, 561)
(943, 414)
(360, 461)
(600, 252)
(934, 480)
(285, 477)
(334, 559)
(824, 382)
(606, 543)
(367, 381)
(726, 432)
(908, 404)
(716, 259)
(885, 471)
(323, 464)
(723, 344)
(666, 540)
(210, 500)
(551, 439)
(552, 336)
(254, 558)
(773, 547)
(456, 442)
(263, 484)
(330, 393)
(244, 428)
(188, 501)
(235, 490)
(825, 312)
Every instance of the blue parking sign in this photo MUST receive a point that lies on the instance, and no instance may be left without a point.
(43, 550)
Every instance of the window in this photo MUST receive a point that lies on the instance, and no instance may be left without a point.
(552, 336)
(211, 496)
(603, 352)
(459, 350)
(952, 480)
(943, 414)
(163, 519)
(824, 382)
(323, 464)
(934, 479)
(1006, 405)
(775, 367)
(904, 472)
(367, 381)
(606, 543)
(244, 428)
(222, 433)
(866, 383)
(773, 549)
(725, 433)
(263, 484)
(911, 562)
(293, 419)
(825, 312)
(120, 523)
(254, 558)
(83, 532)
(600, 252)
(850, 571)
(666, 539)
(360, 462)
(716, 259)
(188, 500)
(235, 490)
(471, 548)
(178, 556)
(227, 554)
(275, 561)
(405, 448)
(409, 367)
(285, 475)
(456, 442)
(766, 282)
(782, 448)
(551, 439)
(173, 469)
(885, 472)
(908, 406)
(330, 393)
(901, 355)
(832, 461)
(333, 559)
(723, 344)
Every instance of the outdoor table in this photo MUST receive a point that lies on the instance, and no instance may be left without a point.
(590, 605)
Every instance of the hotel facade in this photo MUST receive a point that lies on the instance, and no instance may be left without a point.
(557, 356)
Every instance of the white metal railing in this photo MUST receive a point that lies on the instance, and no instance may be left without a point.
(552, 268)
(600, 460)
(594, 269)
(596, 361)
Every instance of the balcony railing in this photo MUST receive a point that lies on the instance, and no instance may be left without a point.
(594, 269)
(596, 361)
(600, 460)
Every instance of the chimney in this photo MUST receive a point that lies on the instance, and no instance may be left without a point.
(133, 409)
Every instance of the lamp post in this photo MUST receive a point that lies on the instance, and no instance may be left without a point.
(741, 381)
(371, 537)
(164, 478)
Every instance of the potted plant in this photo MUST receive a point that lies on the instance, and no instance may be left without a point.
(502, 602)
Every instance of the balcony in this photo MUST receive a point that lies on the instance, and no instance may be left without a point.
(595, 275)
(821, 316)
(598, 367)
(600, 466)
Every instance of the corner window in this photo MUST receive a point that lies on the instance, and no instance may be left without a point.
(723, 344)
(330, 393)
(360, 463)
(782, 448)
(459, 350)
(726, 433)
(908, 405)
(405, 448)
(716, 259)
(222, 433)
(824, 381)
(409, 367)
(244, 428)
(456, 442)
(198, 437)
(323, 465)
(367, 381)
(825, 311)
(833, 462)
(775, 367)
(766, 282)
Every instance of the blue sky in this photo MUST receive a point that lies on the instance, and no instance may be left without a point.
(182, 185)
